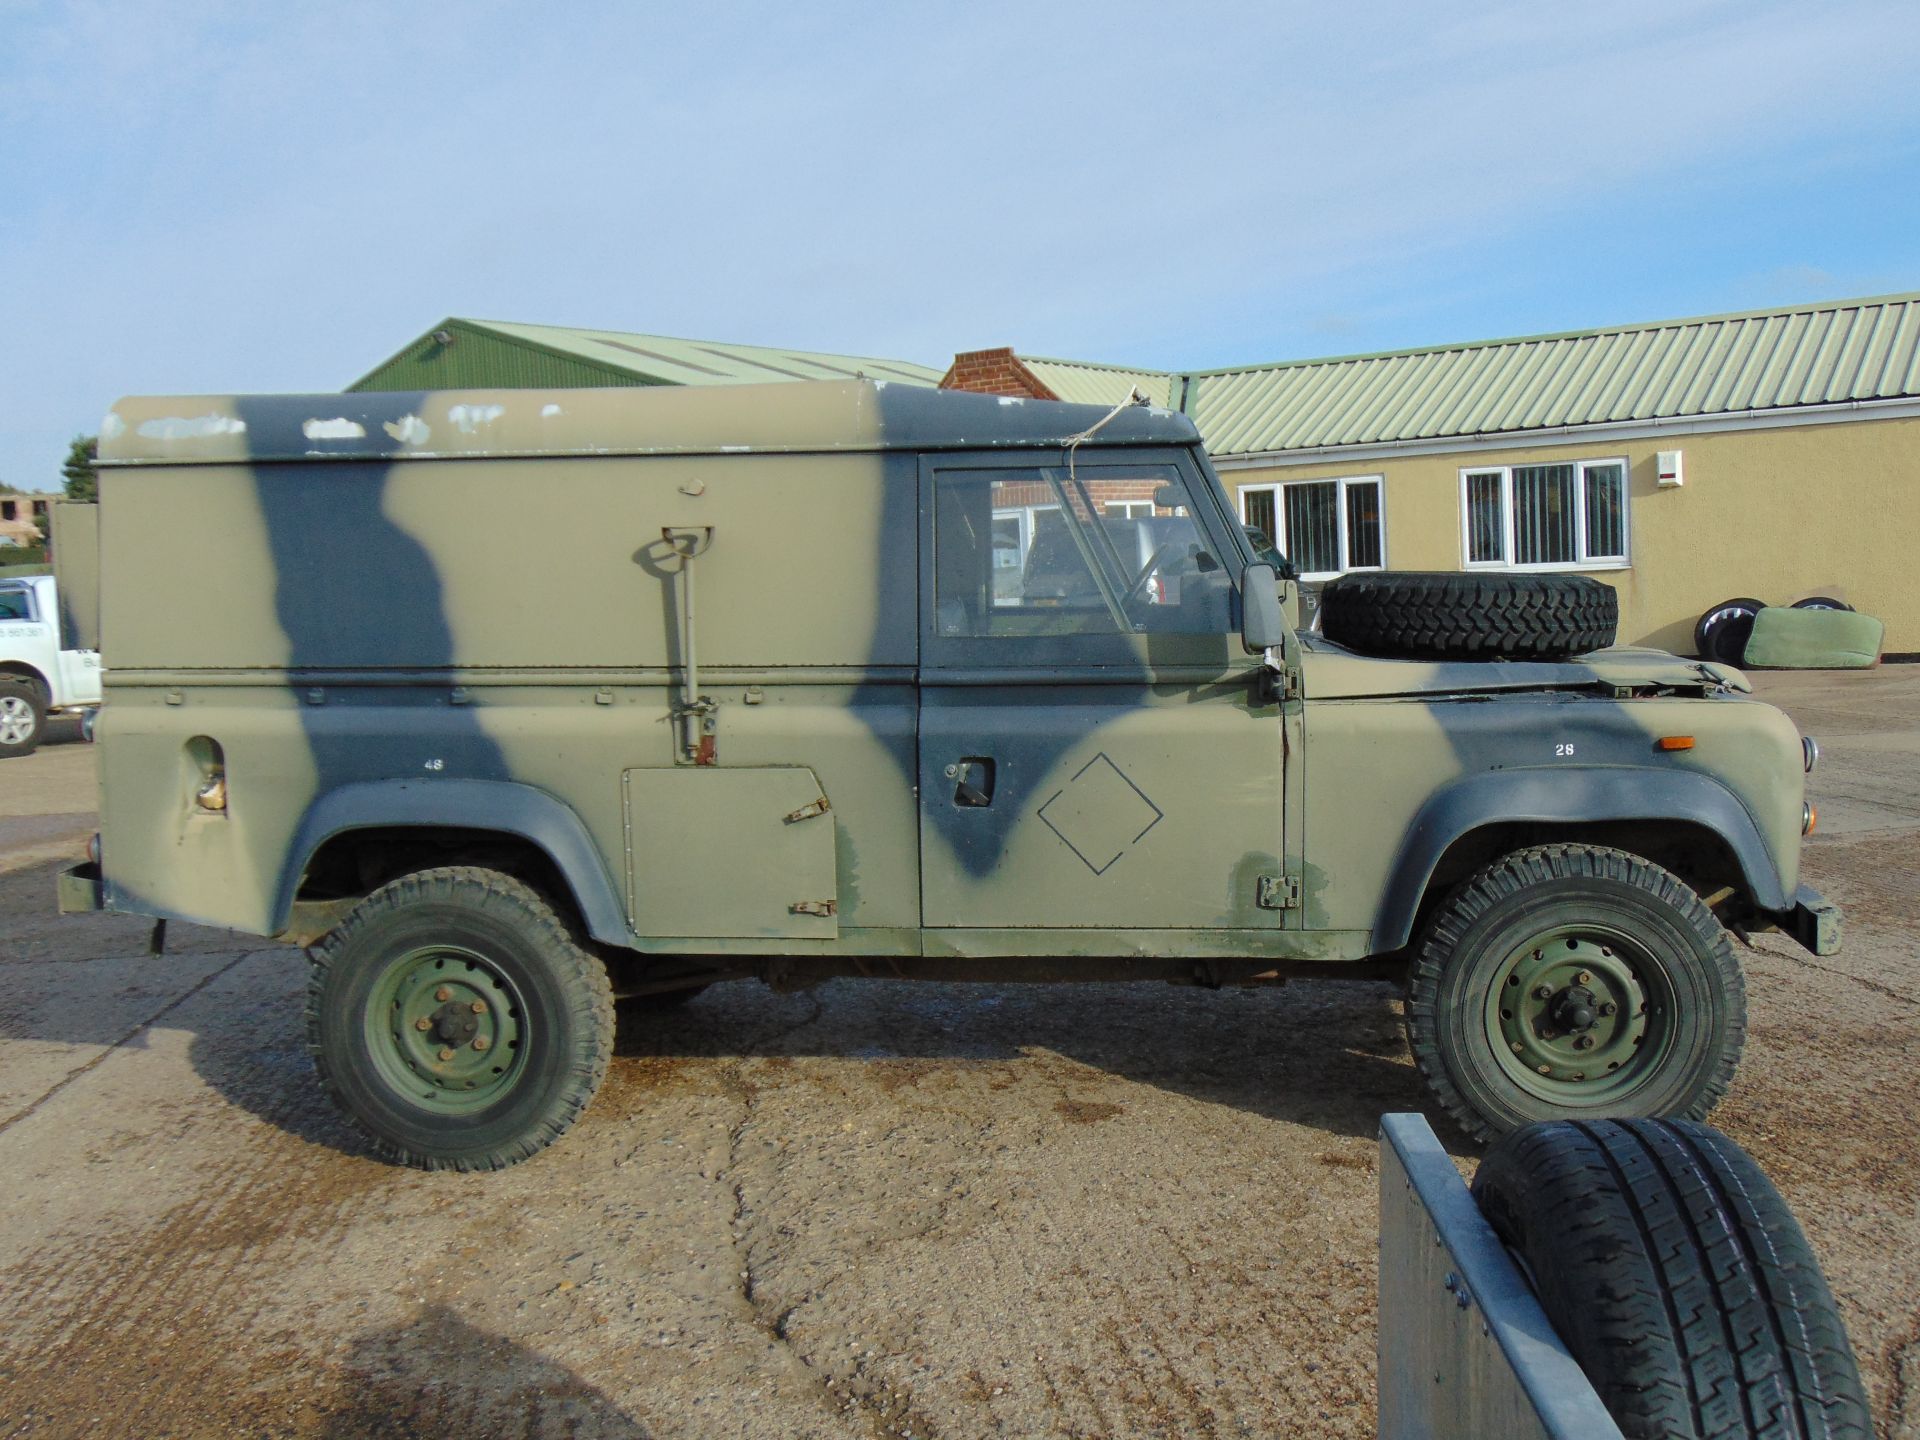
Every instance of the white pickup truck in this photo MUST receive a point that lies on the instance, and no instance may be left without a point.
(38, 676)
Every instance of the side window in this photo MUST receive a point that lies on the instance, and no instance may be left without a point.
(1104, 550)
(14, 605)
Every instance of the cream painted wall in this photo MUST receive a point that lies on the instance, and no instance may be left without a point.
(1774, 514)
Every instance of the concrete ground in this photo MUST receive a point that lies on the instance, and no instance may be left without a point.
(876, 1209)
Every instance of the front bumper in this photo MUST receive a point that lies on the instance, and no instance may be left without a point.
(79, 889)
(1813, 921)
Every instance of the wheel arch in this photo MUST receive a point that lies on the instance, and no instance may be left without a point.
(21, 670)
(1692, 824)
(443, 812)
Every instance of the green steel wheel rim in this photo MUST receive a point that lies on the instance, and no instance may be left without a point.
(445, 1029)
(1580, 1015)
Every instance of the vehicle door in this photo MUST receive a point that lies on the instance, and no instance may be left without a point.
(1097, 749)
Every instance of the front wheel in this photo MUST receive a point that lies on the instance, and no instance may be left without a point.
(1574, 982)
(456, 1020)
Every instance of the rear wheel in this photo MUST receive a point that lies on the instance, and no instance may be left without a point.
(23, 717)
(1678, 1279)
(1572, 980)
(454, 1017)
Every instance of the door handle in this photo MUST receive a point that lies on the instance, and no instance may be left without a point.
(972, 782)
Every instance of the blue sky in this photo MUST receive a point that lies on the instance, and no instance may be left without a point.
(239, 196)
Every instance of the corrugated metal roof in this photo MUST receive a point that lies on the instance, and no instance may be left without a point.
(1088, 384)
(706, 362)
(1761, 360)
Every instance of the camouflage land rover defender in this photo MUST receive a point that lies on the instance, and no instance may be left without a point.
(816, 680)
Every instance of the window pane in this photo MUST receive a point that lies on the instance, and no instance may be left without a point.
(1258, 507)
(1486, 523)
(1032, 553)
(1363, 525)
(1606, 512)
(1313, 526)
(1543, 519)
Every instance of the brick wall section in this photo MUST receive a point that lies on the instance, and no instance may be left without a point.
(994, 372)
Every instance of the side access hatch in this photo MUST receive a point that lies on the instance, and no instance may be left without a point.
(730, 854)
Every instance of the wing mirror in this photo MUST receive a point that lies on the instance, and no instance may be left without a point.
(1262, 622)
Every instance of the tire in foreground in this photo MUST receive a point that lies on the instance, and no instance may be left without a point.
(457, 1021)
(1678, 1279)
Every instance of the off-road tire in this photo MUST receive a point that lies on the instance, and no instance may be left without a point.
(23, 717)
(1678, 1279)
(1415, 615)
(1648, 923)
(562, 1016)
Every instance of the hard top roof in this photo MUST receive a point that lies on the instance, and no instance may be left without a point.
(800, 417)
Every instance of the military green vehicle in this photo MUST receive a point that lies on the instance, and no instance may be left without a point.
(511, 704)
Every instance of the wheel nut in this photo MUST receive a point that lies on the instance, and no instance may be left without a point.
(479, 1042)
(446, 1053)
(1545, 1069)
(423, 1023)
(1609, 1008)
(1543, 992)
(443, 994)
(1585, 1042)
(479, 1007)
(1516, 1047)
(1584, 977)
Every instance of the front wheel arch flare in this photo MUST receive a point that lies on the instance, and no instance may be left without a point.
(1570, 796)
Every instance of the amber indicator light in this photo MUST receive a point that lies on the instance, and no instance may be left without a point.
(1675, 742)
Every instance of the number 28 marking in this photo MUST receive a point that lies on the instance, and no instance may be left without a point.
(1566, 749)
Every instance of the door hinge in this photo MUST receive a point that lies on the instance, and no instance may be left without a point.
(823, 908)
(808, 811)
(1274, 686)
(1278, 892)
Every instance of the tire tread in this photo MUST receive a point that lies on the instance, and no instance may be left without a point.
(1509, 876)
(1678, 1278)
(1447, 616)
(583, 977)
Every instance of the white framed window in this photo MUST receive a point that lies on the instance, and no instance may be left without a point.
(1571, 515)
(1325, 527)
(1131, 509)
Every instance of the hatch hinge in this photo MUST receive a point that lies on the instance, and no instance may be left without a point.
(1278, 892)
(808, 811)
(823, 908)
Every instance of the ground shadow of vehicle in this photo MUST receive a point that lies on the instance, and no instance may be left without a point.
(441, 1376)
(1328, 1054)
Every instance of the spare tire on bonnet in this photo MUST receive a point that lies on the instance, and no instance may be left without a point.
(1441, 615)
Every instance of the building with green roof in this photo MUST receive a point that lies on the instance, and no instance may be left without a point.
(462, 354)
(1771, 454)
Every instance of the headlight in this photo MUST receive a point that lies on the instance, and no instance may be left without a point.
(1810, 751)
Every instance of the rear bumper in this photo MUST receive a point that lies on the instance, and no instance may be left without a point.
(1813, 921)
(79, 889)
